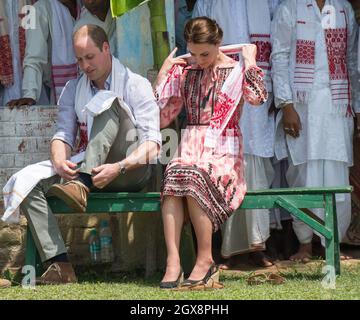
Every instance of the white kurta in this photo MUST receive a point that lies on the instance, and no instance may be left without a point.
(13, 92)
(37, 61)
(326, 133)
(323, 152)
(229, 14)
(109, 25)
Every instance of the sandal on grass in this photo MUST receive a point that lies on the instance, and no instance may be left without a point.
(262, 278)
(210, 281)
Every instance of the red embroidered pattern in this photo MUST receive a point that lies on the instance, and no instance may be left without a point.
(305, 52)
(336, 41)
(6, 66)
(83, 137)
(263, 51)
(194, 94)
(223, 106)
(22, 39)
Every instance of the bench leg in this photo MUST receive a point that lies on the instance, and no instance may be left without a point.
(332, 245)
(32, 257)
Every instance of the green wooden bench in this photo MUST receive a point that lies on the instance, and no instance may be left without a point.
(296, 201)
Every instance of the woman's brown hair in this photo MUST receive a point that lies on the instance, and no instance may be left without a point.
(203, 30)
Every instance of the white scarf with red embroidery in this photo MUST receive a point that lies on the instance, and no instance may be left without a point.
(64, 65)
(336, 35)
(259, 10)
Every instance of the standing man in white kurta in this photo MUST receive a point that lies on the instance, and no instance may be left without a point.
(314, 76)
(240, 21)
(97, 12)
(49, 56)
(12, 43)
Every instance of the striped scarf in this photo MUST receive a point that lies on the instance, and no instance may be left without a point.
(259, 10)
(336, 37)
(6, 55)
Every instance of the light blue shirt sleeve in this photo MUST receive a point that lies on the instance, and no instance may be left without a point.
(140, 98)
(67, 126)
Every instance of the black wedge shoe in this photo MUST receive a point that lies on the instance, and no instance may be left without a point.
(170, 285)
(210, 281)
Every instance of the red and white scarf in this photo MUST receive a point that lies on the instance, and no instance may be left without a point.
(6, 66)
(336, 37)
(6, 55)
(227, 101)
(64, 65)
(259, 23)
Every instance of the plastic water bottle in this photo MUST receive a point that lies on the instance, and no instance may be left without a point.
(107, 253)
(94, 246)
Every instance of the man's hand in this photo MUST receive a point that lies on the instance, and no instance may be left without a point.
(105, 174)
(291, 121)
(21, 102)
(66, 170)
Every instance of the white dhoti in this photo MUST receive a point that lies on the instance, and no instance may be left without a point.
(247, 230)
(322, 173)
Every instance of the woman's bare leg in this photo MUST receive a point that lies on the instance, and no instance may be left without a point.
(173, 220)
(203, 231)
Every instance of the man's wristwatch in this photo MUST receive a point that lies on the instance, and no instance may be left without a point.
(122, 169)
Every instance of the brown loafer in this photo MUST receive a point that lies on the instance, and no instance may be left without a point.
(58, 273)
(73, 193)
(4, 283)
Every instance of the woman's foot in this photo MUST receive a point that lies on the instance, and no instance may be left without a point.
(172, 272)
(260, 259)
(210, 280)
(200, 270)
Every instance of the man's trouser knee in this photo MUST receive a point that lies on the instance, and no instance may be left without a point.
(112, 139)
(42, 222)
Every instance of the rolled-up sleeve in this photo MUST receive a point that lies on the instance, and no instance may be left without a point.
(140, 97)
(36, 64)
(67, 126)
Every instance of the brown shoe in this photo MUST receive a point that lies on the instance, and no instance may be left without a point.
(58, 273)
(73, 193)
(4, 283)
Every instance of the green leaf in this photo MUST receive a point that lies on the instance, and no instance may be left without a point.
(119, 7)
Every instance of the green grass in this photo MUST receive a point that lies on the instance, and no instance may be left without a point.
(304, 285)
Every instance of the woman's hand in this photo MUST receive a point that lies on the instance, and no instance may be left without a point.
(170, 61)
(249, 54)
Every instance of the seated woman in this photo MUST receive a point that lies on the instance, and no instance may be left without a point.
(205, 179)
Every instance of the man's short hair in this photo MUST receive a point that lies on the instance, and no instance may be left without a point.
(94, 32)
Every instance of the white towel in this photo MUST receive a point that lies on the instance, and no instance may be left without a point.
(21, 184)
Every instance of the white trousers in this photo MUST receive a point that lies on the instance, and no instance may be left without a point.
(321, 173)
(247, 230)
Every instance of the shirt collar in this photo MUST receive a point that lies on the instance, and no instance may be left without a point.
(106, 86)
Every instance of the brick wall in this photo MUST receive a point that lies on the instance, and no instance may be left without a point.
(24, 139)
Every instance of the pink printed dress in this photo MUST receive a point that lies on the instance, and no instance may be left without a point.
(214, 178)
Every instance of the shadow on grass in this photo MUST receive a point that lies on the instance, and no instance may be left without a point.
(101, 274)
